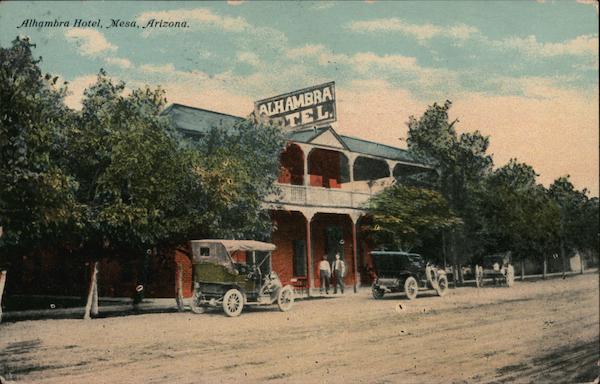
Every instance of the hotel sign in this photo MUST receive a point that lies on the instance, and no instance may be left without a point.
(306, 107)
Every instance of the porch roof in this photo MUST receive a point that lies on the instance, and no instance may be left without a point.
(197, 120)
(194, 120)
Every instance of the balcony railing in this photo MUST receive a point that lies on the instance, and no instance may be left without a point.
(319, 196)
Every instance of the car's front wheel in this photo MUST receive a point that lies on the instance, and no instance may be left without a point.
(233, 302)
(195, 303)
(377, 293)
(411, 288)
(285, 298)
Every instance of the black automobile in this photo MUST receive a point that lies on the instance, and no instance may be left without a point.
(405, 272)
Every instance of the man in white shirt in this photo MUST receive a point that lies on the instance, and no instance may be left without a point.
(339, 269)
(324, 274)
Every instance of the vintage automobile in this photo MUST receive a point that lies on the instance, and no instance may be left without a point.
(219, 280)
(497, 267)
(405, 272)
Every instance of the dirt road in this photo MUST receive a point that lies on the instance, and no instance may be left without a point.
(545, 331)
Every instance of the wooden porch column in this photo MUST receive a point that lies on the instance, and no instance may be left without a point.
(305, 177)
(354, 256)
(309, 258)
(356, 278)
(351, 159)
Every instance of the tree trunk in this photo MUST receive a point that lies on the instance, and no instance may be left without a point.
(179, 288)
(563, 258)
(91, 307)
(522, 270)
(454, 275)
(2, 283)
(545, 268)
(444, 248)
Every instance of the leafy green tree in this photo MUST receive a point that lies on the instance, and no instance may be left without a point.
(518, 214)
(136, 185)
(36, 195)
(578, 224)
(461, 162)
(404, 216)
(141, 183)
(237, 170)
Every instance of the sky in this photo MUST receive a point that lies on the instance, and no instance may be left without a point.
(523, 72)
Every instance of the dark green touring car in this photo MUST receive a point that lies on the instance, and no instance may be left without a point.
(221, 281)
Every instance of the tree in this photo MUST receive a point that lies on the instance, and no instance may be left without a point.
(406, 216)
(133, 179)
(142, 184)
(461, 163)
(36, 195)
(237, 170)
(578, 227)
(518, 214)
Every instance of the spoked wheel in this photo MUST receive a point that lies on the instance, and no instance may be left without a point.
(233, 302)
(411, 287)
(432, 277)
(442, 285)
(479, 276)
(195, 303)
(510, 276)
(377, 293)
(285, 298)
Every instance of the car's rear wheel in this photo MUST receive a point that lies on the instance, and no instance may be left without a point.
(510, 276)
(377, 293)
(195, 303)
(233, 302)
(442, 285)
(411, 288)
(285, 298)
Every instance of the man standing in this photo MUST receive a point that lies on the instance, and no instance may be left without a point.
(339, 269)
(324, 274)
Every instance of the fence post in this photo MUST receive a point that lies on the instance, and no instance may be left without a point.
(545, 268)
(580, 262)
(522, 270)
(91, 307)
(2, 282)
(179, 288)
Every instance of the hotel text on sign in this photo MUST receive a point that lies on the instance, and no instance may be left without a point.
(306, 107)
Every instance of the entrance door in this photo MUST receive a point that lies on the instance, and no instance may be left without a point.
(334, 242)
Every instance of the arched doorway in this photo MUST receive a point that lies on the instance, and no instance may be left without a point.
(366, 168)
(291, 163)
(327, 168)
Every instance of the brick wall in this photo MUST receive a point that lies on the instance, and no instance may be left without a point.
(290, 226)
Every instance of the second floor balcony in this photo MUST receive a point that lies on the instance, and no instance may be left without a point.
(349, 196)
